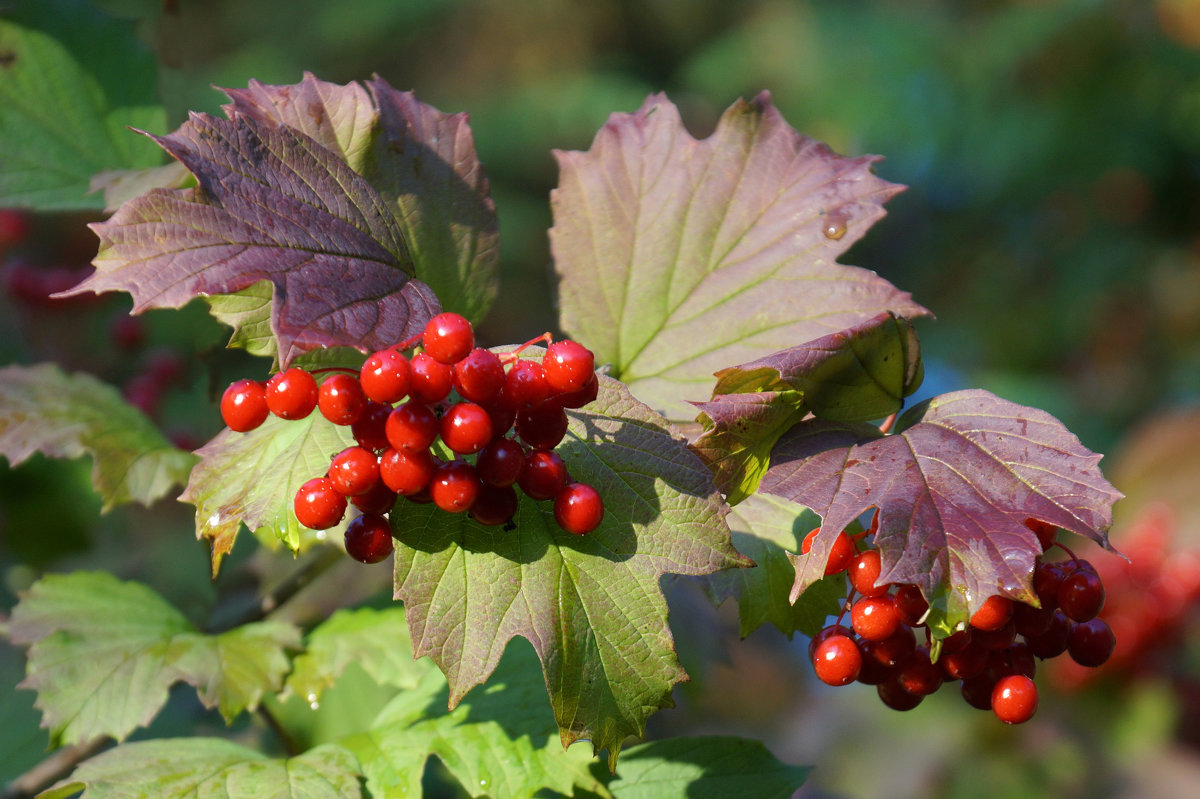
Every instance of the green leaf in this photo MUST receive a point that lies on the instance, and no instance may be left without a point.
(252, 478)
(501, 743)
(104, 652)
(212, 768)
(248, 312)
(765, 528)
(377, 640)
(71, 80)
(679, 257)
(45, 410)
(121, 185)
(709, 767)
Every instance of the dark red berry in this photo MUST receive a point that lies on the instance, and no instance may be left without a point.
(567, 366)
(318, 505)
(1014, 699)
(993, 614)
(918, 675)
(995, 639)
(965, 663)
(894, 650)
(341, 399)
(578, 508)
(495, 505)
(1081, 595)
(480, 376)
(454, 486)
(500, 462)
(370, 431)
(448, 338)
(1031, 621)
(837, 661)
(292, 394)
(244, 405)
(543, 476)
(503, 414)
(582, 396)
(911, 606)
(525, 384)
(386, 376)
(379, 500)
(412, 426)
(354, 471)
(1091, 643)
(1053, 642)
(1045, 532)
(893, 694)
(542, 427)
(874, 617)
(1018, 659)
(466, 428)
(429, 381)
(128, 332)
(369, 538)
(407, 472)
(977, 690)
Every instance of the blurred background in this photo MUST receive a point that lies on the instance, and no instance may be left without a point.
(1052, 223)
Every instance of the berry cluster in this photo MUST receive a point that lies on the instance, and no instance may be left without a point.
(456, 392)
(994, 657)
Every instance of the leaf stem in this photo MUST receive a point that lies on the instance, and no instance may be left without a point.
(886, 426)
(53, 768)
(285, 739)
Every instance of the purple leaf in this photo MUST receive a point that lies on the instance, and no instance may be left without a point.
(954, 491)
(679, 257)
(274, 205)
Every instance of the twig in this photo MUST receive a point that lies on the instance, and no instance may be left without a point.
(54, 768)
(287, 589)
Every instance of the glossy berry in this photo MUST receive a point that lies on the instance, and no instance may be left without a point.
(448, 338)
(500, 462)
(874, 617)
(370, 431)
(479, 376)
(582, 396)
(1091, 643)
(525, 384)
(429, 381)
(542, 427)
(567, 366)
(466, 428)
(977, 690)
(1081, 595)
(578, 508)
(412, 426)
(341, 399)
(893, 694)
(837, 660)
(318, 505)
(1014, 699)
(406, 472)
(1053, 642)
(918, 675)
(965, 663)
(292, 394)
(386, 376)
(543, 476)
(864, 570)
(244, 405)
(840, 554)
(354, 471)
(893, 650)
(455, 486)
(379, 500)
(495, 505)
(1047, 577)
(369, 538)
(825, 632)
(911, 606)
(993, 614)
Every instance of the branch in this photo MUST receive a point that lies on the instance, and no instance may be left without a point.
(54, 768)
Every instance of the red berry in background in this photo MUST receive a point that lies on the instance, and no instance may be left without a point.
(455, 486)
(479, 376)
(495, 505)
(341, 399)
(292, 394)
(1047, 577)
(144, 393)
(1091, 643)
(911, 606)
(965, 663)
(1014, 699)
(893, 694)
(370, 431)
(840, 554)
(1081, 595)
(412, 426)
(893, 650)
(406, 472)
(128, 332)
(14, 227)
(448, 338)
(525, 384)
(369, 538)
(581, 397)
(837, 660)
(567, 366)
(466, 428)
(874, 617)
(354, 471)
(996, 639)
(378, 500)
(244, 405)
(318, 505)
(993, 614)
(500, 462)
(385, 376)
(1045, 532)
(578, 508)
(917, 675)
(543, 476)
(864, 570)
(429, 381)
(542, 427)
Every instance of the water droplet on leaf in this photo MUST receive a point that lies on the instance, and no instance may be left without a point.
(835, 226)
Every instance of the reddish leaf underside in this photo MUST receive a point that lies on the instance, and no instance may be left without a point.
(954, 490)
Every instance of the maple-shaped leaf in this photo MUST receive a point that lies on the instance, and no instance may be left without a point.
(502, 742)
(679, 256)
(43, 409)
(765, 529)
(953, 489)
(704, 767)
(857, 374)
(213, 768)
(252, 478)
(271, 204)
(102, 654)
(591, 605)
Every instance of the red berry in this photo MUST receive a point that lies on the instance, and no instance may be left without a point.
(1014, 699)
(127, 332)
(874, 617)
(892, 693)
(386, 376)
(543, 476)
(864, 570)
(369, 538)
(567, 366)
(993, 614)
(1030, 620)
(911, 606)
(582, 396)
(412, 426)
(341, 399)
(1053, 642)
(525, 384)
(1045, 532)
(370, 431)
(837, 661)
(1047, 577)
(917, 675)
(429, 381)
(840, 554)
(893, 650)
(578, 508)
(500, 462)
(466, 428)
(379, 500)
(244, 405)
(354, 471)
(503, 414)
(318, 505)
(998, 638)
(292, 394)
(542, 427)
(448, 338)
(407, 472)
(1081, 595)
(825, 632)
(965, 663)
(479, 376)
(495, 505)
(455, 486)
(1091, 643)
